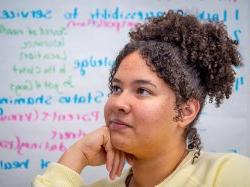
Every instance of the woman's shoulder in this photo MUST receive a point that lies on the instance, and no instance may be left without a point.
(211, 170)
(222, 159)
(223, 162)
(226, 169)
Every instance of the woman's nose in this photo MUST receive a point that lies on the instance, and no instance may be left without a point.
(121, 103)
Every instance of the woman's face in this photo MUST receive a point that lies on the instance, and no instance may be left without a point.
(140, 110)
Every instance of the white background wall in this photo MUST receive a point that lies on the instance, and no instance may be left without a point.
(42, 44)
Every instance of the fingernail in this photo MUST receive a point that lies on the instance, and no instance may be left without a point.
(108, 168)
(112, 177)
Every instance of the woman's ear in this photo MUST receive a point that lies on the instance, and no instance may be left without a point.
(189, 111)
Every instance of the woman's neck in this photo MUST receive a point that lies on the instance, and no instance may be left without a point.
(150, 172)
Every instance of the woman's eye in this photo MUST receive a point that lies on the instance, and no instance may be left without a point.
(143, 92)
(115, 89)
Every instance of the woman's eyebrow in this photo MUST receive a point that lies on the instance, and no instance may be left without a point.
(115, 80)
(139, 81)
(142, 81)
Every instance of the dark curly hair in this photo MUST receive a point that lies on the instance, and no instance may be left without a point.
(195, 59)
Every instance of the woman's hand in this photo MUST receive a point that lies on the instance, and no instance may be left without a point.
(94, 149)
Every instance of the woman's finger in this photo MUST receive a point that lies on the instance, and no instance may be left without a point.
(109, 150)
(115, 165)
(121, 164)
(110, 158)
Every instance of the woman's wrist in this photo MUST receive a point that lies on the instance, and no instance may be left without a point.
(73, 160)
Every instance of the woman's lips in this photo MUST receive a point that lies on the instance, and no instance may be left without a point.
(118, 125)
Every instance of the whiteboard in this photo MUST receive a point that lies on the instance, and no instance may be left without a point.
(55, 60)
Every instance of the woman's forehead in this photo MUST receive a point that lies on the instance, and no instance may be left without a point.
(134, 69)
(134, 64)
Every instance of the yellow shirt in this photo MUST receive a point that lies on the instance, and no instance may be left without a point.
(209, 170)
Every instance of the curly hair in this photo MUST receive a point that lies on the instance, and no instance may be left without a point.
(195, 59)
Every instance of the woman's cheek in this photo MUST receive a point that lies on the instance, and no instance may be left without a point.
(107, 111)
(152, 114)
(146, 113)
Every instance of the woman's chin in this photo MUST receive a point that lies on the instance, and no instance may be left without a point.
(119, 143)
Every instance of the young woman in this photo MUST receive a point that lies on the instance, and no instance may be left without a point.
(159, 84)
